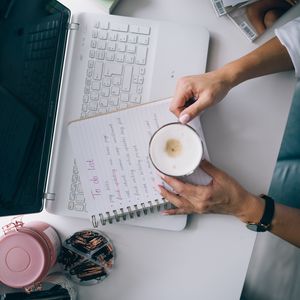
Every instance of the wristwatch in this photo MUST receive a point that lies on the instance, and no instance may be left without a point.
(265, 223)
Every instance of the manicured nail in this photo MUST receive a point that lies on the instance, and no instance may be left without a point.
(157, 187)
(184, 118)
(164, 213)
(161, 175)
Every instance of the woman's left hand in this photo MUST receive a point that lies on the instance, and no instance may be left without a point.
(222, 195)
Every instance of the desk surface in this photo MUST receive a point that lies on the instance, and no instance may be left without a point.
(209, 259)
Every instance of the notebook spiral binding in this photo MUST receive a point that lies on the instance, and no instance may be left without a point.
(129, 211)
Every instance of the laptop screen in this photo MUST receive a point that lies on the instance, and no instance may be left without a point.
(32, 38)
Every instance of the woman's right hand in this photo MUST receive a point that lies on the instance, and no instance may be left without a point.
(206, 89)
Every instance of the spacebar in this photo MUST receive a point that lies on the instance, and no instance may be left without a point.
(127, 78)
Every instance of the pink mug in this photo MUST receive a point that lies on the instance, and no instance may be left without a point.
(28, 252)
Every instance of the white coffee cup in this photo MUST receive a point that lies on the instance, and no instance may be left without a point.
(176, 149)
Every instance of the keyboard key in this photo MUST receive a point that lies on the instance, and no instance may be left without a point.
(131, 48)
(119, 57)
(102, 35)
(98, 70)
(105, 92)
(134, 28)
(104, 24)
(123, 37)
(111, 46)
(86, 98)
(135, 98)
(102, 110)
(135, 78)
(141, 55)
(112, 36)
(93, 105)
(93, 43)
(144, 29)
(91, 64)
(115, 91)
(127, 78)
(114, 100)
(101, 45)
(100, 54)
(132, 38)
(96, 85)
(139, 89)
(116, 80)
(119, 27)
(92, 53)
(103, 102)
(94, 96)
(141, 80)
(124, 97)
(142, 70)
(121, 47)
(143, 40)
(106, 81)
(110, 55)
(129, 58)
(95, 33)
(113, 68)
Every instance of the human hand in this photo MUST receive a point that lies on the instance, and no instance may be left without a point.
(223, 195)
(206, 89)
(262, 14)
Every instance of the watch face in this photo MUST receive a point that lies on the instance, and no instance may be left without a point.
(256, 227)
(252, 227)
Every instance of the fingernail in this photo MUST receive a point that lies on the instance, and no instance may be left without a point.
(161, 175)
(184, 118)
(157, 187)
(164, 213)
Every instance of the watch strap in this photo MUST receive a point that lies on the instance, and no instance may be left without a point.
(268, 214)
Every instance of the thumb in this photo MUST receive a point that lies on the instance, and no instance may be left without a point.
(192, 111)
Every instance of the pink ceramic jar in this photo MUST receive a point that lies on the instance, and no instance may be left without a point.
(28, 251)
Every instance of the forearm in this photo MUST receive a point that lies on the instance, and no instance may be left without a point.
(286, 220)
(271, 57)
(286, 224)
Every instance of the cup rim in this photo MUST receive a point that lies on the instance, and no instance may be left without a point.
(168, 124)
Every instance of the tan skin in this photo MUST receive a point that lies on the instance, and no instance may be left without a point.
(224, 194)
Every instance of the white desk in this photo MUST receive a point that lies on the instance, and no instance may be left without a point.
(208, 260)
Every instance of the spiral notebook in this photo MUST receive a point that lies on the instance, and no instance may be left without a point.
(111, 151)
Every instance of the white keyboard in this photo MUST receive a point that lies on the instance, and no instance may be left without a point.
(115, 78)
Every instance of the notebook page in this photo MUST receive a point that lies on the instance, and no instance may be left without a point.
(112, 155)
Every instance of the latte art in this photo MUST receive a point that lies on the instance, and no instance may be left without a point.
(173, 147)
(176, 149)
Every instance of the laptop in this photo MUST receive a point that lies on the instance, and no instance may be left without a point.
(56, 67)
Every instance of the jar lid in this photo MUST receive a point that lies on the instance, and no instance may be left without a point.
(22, 259)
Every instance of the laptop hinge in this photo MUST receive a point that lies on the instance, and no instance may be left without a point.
(73, 26)
(49, 196)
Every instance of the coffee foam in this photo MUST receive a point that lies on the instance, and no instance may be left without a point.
(176, 149)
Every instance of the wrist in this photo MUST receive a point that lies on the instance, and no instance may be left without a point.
(252, 209)
(231, 74)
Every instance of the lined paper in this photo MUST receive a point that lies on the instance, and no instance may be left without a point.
(111, 152)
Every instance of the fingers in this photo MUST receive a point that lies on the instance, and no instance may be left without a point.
(181, 188)
(175, 211)
(209, 168)
(193, 110)
(179, 100)
(176, 200)
(171, 197)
